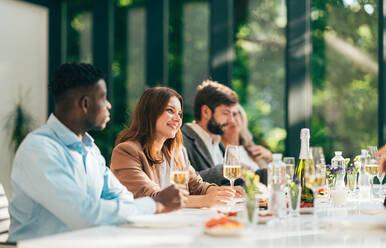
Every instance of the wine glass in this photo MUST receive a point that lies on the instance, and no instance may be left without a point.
(381, 176)
(318, 155)
(372, 151)
(232, 166)
(371, 170)
(179, 174)
(315, 178)
(289, 168)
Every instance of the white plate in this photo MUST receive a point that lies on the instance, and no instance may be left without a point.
(225, 232)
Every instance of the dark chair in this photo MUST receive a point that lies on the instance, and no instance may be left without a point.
(4, 220)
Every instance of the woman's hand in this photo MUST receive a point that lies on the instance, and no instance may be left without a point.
(245, 166)
(382, 160)
(260, 152)
(216, 195)
(381, 152)
(239, 192)
(382, 164)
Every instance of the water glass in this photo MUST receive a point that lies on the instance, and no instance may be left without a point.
(278, 204)
(338, 196)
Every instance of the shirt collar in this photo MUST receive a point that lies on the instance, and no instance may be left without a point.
(204, 135)
(65, 134)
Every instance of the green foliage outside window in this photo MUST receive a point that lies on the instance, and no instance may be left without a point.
(259, 70)
(344, 75)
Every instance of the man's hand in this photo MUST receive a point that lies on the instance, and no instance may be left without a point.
(260, 152)
(172, 198)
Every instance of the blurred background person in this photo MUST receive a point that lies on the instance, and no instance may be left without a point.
(252, 156)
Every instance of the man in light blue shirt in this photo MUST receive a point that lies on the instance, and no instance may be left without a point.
(59, 178)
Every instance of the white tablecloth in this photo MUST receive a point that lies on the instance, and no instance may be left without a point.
(360, 224)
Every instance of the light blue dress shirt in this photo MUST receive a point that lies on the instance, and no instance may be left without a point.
(61, 183)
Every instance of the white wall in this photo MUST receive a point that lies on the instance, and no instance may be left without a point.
(23, 70)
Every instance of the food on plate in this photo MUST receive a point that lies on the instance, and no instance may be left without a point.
(322, 191)
(224, 223)
(227, 214)
(264, 217)
(265, 214)
(306, 205)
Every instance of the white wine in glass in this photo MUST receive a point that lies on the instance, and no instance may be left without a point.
(232, 172)
(179, 174)
(371, 169)
(231, 167)
(314, 178)
(315, 181)
(179, 177)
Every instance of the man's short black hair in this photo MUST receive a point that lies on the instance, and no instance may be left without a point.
(73, 75)
(213, 94)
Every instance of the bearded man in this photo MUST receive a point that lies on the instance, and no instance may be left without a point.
(213, 106)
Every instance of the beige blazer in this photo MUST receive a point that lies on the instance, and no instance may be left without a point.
(141, 177)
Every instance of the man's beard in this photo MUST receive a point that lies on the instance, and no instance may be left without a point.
(216, 128)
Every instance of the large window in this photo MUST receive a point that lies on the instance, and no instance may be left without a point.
(195, 57)
(344, 64)
(259, 71)
(79, 31)
(344, 75)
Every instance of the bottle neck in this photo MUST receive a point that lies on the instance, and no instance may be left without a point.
(304, 149)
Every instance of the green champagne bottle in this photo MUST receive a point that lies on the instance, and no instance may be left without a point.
(305, 159)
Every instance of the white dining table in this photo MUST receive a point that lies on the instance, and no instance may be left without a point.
(358, 224)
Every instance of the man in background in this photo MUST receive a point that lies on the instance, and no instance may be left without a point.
(212, 113)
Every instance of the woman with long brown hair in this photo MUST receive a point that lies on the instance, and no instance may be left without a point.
(143, 151)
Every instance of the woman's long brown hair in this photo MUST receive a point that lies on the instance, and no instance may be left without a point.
(142, 129)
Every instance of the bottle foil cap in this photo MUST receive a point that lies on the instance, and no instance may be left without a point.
(305, 133)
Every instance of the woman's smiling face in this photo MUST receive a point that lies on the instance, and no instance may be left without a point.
(169, 122)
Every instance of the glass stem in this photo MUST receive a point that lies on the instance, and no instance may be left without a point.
(232, 183)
